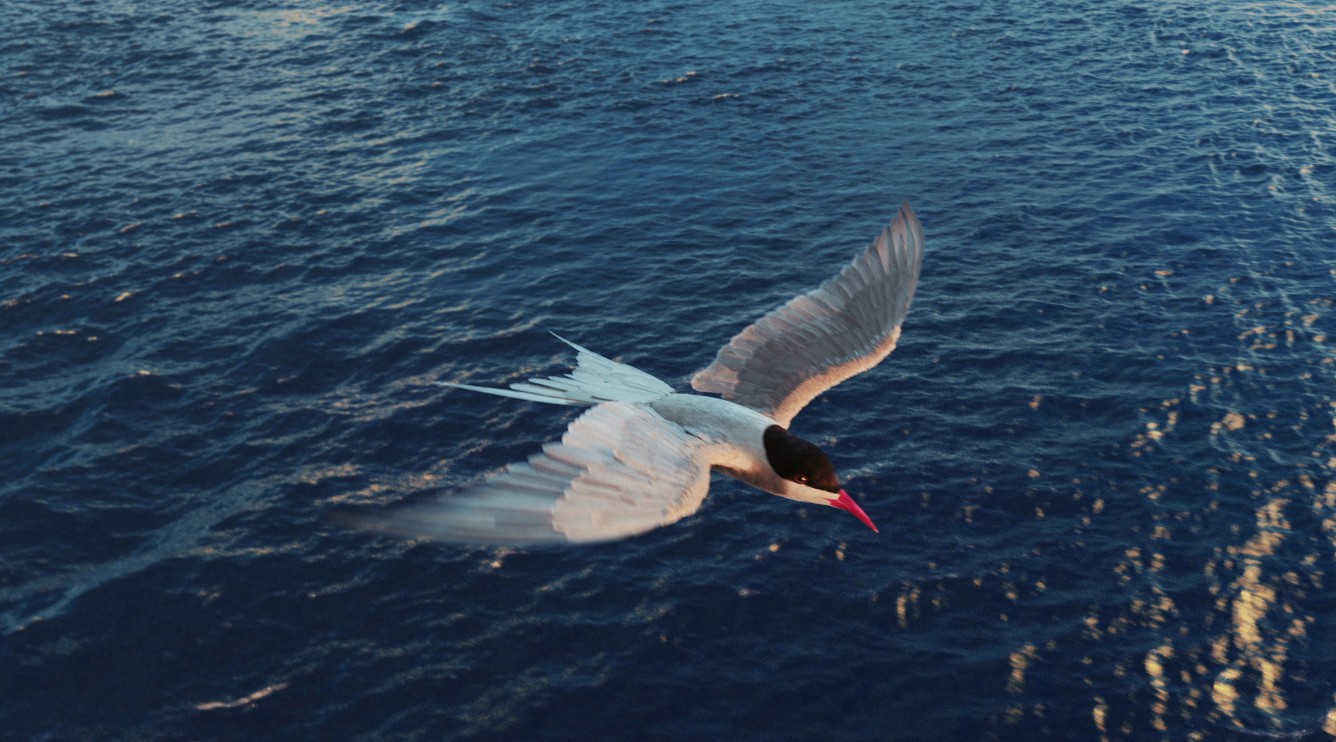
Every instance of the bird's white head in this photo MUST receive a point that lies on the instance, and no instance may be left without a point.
(806, 473)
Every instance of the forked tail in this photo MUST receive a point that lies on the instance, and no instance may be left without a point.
(595, 379)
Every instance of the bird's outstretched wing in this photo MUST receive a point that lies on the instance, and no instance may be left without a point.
(815, 341)
(619, 470)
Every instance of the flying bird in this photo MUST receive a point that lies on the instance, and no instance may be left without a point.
(641, 457)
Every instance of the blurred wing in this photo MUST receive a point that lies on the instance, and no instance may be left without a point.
(619, 470)
(818, 339)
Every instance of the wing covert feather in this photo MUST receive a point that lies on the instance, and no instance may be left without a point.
(818, 339)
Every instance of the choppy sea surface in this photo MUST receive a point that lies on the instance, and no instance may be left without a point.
(240, 240)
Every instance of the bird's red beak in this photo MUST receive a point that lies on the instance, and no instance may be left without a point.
(845, 502)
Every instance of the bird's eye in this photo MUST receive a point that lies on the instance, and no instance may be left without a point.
(801, 479)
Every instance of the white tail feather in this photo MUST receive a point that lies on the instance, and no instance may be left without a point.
(594, 380)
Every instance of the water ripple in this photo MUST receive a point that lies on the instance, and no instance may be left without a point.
(244, 238)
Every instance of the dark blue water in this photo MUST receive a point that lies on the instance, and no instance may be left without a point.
(239, 240)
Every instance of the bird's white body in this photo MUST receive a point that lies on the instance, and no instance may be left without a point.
(732, 432)
(735, 436)
(641, 456)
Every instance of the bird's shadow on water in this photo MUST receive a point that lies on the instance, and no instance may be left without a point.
(50, 597)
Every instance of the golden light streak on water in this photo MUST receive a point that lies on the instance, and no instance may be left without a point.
(906, 602)
(1020, 661)
(1223, 692)
(1259, 653)
(1154, 665)
(1101, 716)
(1260, 584)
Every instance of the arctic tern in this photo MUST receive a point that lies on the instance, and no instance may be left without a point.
(641, 457)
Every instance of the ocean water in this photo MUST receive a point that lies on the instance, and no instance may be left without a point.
(240, 240)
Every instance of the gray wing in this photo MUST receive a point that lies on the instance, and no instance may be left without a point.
(619, 470)
(815, 341)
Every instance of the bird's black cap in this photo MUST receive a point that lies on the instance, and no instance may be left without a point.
(799, 461)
